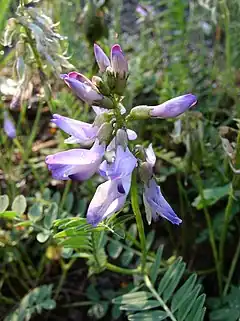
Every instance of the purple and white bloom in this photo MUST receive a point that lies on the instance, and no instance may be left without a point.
(150, 156)
(9, 126)
(118, 62)
(76, 164)
(81, 132)
(173, 107)
(101, 58)
(122, 166)
(109, 198)
(82, 87)
(156, 205)
(141, 10)
(170, 109)
(132, 135)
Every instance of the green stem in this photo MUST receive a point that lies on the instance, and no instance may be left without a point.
(232, 269)
(160, 300)
(77, 304)
(210, 230)
(118, 269)
(226, 17)
(65, 269)
(42, 74)
(138, 216)
(229, 206)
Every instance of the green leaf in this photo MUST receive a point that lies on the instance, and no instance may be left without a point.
(229, 307)
(50, 215)
(98, 310)
(115, 248)
(9, 215)
(24, 223)
(156, 265)
(133, 298)
(148, 316)
(35, 212)
(4, 202)
(69, 202)
(211, 196)
(19, 204)
(141, 305)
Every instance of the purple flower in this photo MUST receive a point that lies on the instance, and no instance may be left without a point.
(109, 198)
(122, 166)
(141, 10)
(81, 132)
(9, 126)
(173, 107)
(101, 58)
(82, 87)
(156, 205)
(77, 164)
(118, 62)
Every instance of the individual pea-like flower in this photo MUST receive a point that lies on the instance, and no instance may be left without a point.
(122, 166)
(86, 90)
(101, 58)
(155, 204)
(169, 109)
(82, 87)
(81, 132)
(109, 198)
(76, 164)
(9, 126)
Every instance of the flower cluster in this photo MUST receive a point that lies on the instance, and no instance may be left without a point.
(106, 142)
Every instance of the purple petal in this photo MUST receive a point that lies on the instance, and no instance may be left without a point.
(99, 110)
(82, 87)
(108, 199)
(132, 135)
(173, 107)
(150, 155)
(156, 203)
(118, 61)
(101, 58)
(123, 165)
(9, 126)
(84, 132)
(78, 164)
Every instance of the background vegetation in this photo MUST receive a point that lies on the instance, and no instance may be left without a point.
(47, 270)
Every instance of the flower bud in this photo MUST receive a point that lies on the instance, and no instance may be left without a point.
(82, 87)
(102, 86)
(140, 112)
(20, 48)
(101, 58)
(145, 172)
(173, 107)
(105, 133)
(120, 69)
(20, 67)
(122, 138)
(118, 62)
(101, 119)
(110, 77)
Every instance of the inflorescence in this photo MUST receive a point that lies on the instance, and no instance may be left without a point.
(106, 142)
